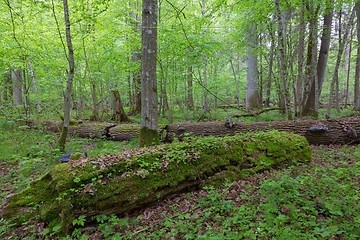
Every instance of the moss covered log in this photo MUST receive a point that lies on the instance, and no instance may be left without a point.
(121, 183)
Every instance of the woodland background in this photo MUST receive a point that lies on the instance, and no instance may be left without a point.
(297, 55)
(258, 60)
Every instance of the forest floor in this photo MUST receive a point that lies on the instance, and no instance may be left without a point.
(319, 200)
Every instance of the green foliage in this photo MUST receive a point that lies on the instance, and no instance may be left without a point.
(137, 176)
(315, 201)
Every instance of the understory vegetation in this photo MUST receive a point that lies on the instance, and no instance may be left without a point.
(318, 200)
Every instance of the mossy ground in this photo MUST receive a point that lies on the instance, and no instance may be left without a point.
(120, 183)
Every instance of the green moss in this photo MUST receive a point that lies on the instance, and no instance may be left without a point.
(146, 175)
(76, 155)
(148, 137)
(126, 128)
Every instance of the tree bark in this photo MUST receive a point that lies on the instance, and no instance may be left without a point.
(335, 78)
(313, 85)
(271, 62)
(325, 44)
(283, 67)
(300, 63)
(119, 112)
(71, 61)
(33, 80)
(236, 85)
(331, 131)
(252, 95)
(135, 59)
(190, 96)
(149, 96)
(357, 68)
(17, 86)
(348, 64)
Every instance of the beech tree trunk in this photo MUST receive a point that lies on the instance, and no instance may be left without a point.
(311, 86)
(300, 63)
(252, 95)
(71, 61)
(149, 96)
(348, 64)
(342, 43)
(357, 68)
(283, 67)
(17, 86)
(236, 85)
(271, 61)
(33, 80)
(190, 96)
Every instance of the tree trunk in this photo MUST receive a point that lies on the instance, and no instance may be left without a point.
(7, 87)
(282, 57)
(300, 49)
(17, 87)
(325, 44)
(357, 68)
(271, 62)
(348, 64)
(119, 112)
(67, 105)
(136, 108)
(342, 43)
(33, 80)
(252, 95)
(190, 96)
(135, 58)
(314, 72)
(95, 114)
(149, 134)
(204, 79)
(236, 85)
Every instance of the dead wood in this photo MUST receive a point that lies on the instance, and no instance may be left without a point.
(332, 131)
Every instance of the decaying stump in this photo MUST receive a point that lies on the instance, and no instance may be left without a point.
(119, 112)
(332, 131)
(115, 184)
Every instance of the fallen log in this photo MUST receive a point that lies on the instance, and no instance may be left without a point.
(331, 131)
(116, 184)
(111, 131)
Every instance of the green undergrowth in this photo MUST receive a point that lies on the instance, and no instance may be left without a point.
(25, 154)
(121, 183)
(319, 200)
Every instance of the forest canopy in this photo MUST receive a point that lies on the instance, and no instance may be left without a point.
(298, 55)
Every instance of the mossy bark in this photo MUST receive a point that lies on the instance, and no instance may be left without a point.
(148, 137)
(62, 139)
(115, 184)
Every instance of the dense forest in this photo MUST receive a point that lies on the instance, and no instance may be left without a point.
(298, 55)
(100, 79)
